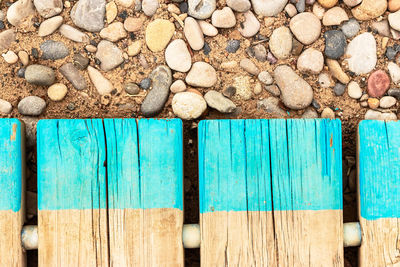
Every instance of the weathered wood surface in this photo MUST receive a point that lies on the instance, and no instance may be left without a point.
(110, 192)
(270, 193)
(11, 192)
(379, 193)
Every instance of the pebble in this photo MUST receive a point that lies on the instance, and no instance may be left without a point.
(149, 7)
(173, 9)
(102, 84)
(310, 113)
(178, 86)
(350, 28)
(135, 48)
(72, 74)
(132, 88)
(352, 3)
(233, 46)
(296, 93)
(394, 20)
(193, 34)
(376, 115)
(113, 32)
(271, 105)
(133, 24)
(354, 90)
(393, 5)
(48, 8)
(111, 12)
(188, 105)
(229, 91)
(387, 102)
(273, 90)
(382, 27)
(229, 64)
(373, 103)
(306, 27)
(300, 5)
(310, 61)
(158, 34)
(394, 71)
(390, 53)
(126, 3)
(250, 26)
(57, 91)
(328, 113)
(257, 88)
(243, 87)
(5, 107)
(265, 78)
(361, 53)
(259, 52)
(39, 75)
(249, 66)
(337, 71)
(73, 34)
(268, 8)
(207, 28)
(20, 10)
(80, 61)
(161, 79)
(290, 10)
(369, 9)
(395, 92)
(7, 37)
(201, 75)
(224, 18)
(10, 57)
(50, 25)
(219, 102)
(270, 58)
(239, 5)
(183, 7)
(378, 83)
(24, 57)
(318, 11)
(53, 50)
(327, 3)
(339, 89)
(201, 9)
(334, 16)
(335, 44)
(324, 80)
(89, 14)
(145, 83)
(109, 55)
(31, 106)
(143, 61)
(280, 42)
(177, 56)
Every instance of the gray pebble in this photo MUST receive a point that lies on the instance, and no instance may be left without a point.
(72, 74)
(155, 100)
(39, 75)
(394, 92)
(260, 52)
(390, 53)
(339, 89)
(53, 50)
(233, 46)
(300, 5)
(315, 104)
(273, 90)
(183, 7)
(229, 91)
(206, 49)
(335, 44)
(350, 28)
(31, 106)
(270, 105)
(21, 72)
(201, 9)
(219, 102)
(89, 14)
(132, 88)
(80, 61)
(145, 83)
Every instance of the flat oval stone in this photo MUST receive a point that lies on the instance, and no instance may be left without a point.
(155, 99)
(53, 50)
(57, 91)
(39, 75)
(149, 7)
(361, 53)
(219, 102)
(5, 107)
(158, 34)
(378, 83)
(280, 42)
(376, 115)
(31, 106)
(394, 71)
(109, 55)
(50, 25)
(201, 75)
(89, 14)
(354, 90)
(310, 61)
(335, 44)
(188, 105)
(268, 8)
(113, 32)
(7, 37)
(201, 9)
(177, 56)
(306, 27)
(296, 93)
(18, 11)
(133, 24)
(101, 83)
(207, 28)
(387, 102)
(73, 34)
(394, 20)
(250, 26)
(350, 28)
(224, 18)
(48, 8)
(72, 74)
(193, 34)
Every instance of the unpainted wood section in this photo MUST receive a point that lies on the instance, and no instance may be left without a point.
(146, 238)
(237, 239)
(73, 238)
(11, 252)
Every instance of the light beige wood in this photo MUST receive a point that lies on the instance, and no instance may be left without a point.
(73, 238)
(281, 238)
(151, 237)
(11, 252)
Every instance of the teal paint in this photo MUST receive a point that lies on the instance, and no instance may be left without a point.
(265, 165)
(10, 164)
(379, 169)
(141, 160)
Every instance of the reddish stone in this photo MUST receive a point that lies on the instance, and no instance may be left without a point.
(378, 83)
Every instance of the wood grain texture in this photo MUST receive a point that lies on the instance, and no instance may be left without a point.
(11, 192)
(110, 192)
(379, 193)
(270, 193)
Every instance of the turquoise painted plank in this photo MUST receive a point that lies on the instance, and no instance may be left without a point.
(265, 165)
(71, 159)
(144, 163)
(379, 169)
(10, 164)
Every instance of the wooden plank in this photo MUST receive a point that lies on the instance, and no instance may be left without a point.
(72, 201)
(379, 192)
(270, 193)
(11, 192)
(145, 193)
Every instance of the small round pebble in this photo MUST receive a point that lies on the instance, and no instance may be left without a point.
(183, 7)
(328, 113)
(378, 83)
(39, 75)
(21, 72)
(339, 89)
(178, 86)
(265, 77)
(10, 57)
(188, 105)
(373, 103)
(354, 90)
(350, 28)
(145, 83)
(233, 46)
(335, 44)
(57, 91)
(131, 88)
(5, 107)
(31, 106)
(387, 102)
